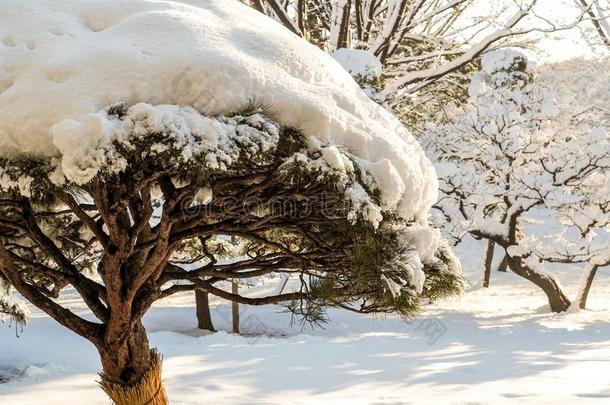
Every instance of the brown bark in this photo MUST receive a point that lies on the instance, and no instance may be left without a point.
(283, 16)
(64, 316)
(503, 267)
(301, 11)
(204, 317)
(235, 307)
(344, 28)
(127, 360)
(558, 301)
(582, 299)
(489, 257)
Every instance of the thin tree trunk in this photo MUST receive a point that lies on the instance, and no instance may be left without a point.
(489, 257)
(503, 267)
(301, 11)
(204, 317)
(235, 307)
(340, 26)
(345, 26)
(585, 285)
(558, 301)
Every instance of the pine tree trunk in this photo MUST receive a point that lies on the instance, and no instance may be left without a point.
(489, 257)
(558, 301)
(132, 371)
(204, 317)
(503, 267)
(585, 285)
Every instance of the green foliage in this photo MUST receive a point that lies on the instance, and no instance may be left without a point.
(9, 306)
(441, 281)
(376, 275)
(377, 261)
(256, 106)
(291, 141)
(303, 223)
(33, 171)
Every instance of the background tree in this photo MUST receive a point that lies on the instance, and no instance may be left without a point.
(161, 195)
(429, 49)
(515, 152)
(581, 87)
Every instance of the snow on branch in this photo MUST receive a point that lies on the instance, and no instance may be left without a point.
(521, 147)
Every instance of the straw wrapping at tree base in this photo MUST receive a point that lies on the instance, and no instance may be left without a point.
(148, 391)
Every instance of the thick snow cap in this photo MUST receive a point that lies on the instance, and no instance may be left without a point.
(65, 60)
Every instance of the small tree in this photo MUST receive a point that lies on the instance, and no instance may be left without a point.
(582, 88)
(515, 152)
(121, 225)
(586, 176)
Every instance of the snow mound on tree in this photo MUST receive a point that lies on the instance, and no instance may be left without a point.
(359, 62)
(62, 61)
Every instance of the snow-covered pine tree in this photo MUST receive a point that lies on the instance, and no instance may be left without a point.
(517, 152)
(262, 185)
(121, 202)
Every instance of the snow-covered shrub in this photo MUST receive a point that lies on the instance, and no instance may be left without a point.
(519, 149)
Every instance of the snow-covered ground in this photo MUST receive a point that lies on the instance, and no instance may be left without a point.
(497, 345)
